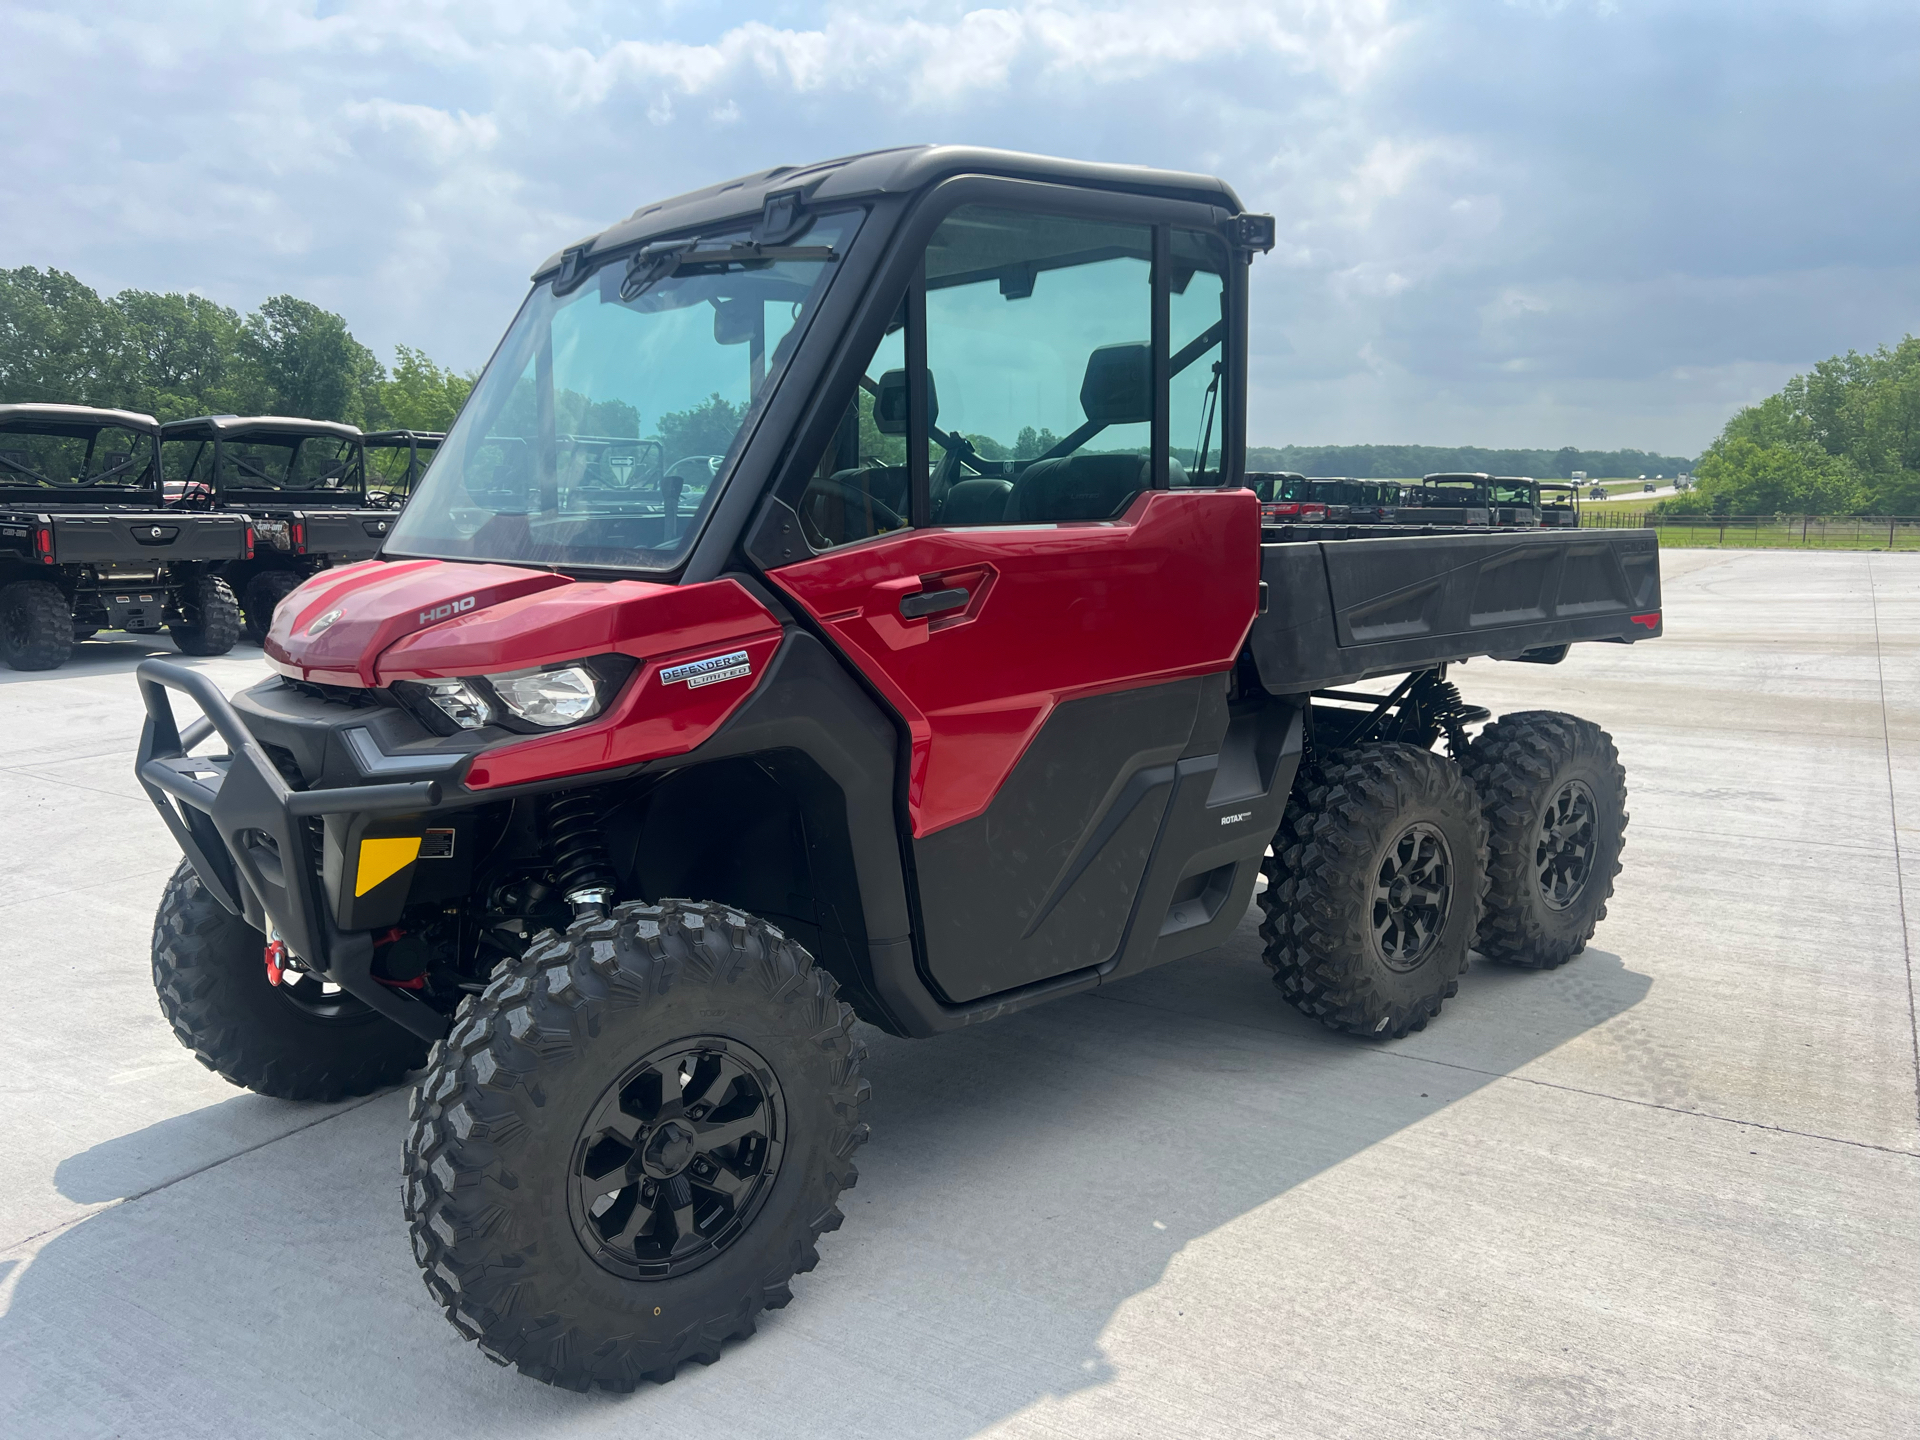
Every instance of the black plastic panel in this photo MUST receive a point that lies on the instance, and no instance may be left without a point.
(1045, 881)
(1342, 610)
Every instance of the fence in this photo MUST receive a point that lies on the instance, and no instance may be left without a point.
(1750, 532)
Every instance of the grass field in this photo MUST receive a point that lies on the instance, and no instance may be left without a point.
(1767, 532)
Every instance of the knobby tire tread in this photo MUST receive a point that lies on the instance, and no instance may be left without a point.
(481, 1097)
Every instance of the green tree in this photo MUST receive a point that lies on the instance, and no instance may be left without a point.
(58, 341)
(183, 356)
(418, 395)
(310, 361)
(704, 429)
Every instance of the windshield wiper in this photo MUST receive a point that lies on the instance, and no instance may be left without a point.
(687, 257)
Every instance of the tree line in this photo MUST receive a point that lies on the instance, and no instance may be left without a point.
(173, 355)
(1843, 439)
(1405, 462)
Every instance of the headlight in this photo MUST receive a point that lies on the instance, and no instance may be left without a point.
(460, 703)
(549, 698)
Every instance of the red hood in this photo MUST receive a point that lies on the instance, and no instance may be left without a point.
(376, 603)
(425, 619)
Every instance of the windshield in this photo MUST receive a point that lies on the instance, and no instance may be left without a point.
(1509, 493)
(75, 457)
(600, 429)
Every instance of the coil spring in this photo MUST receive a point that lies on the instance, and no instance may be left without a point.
(579, 850)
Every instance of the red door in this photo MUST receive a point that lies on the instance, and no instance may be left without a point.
(987, 641)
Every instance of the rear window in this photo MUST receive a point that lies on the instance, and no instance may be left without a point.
(109, 457)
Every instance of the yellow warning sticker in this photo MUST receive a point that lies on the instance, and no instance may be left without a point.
(383, 859)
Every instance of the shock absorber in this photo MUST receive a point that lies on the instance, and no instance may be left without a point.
(580, 861)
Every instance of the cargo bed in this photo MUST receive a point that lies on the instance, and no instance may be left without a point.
(1344, 602)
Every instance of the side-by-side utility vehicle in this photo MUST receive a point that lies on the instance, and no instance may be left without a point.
(303, 482)
(86, 543)
(960, 682)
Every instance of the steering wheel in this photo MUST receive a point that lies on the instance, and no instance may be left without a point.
(885, 515)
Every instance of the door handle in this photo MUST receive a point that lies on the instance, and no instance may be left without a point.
(923, 603)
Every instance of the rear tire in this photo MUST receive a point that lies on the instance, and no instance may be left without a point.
(212, 619)
(1554, 796)
(36, 625)
(543, 1115)
(210, 973)
(263, 594)
(1374, 889)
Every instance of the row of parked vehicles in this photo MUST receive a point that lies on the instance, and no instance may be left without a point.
(1441, 499)
(110, 520)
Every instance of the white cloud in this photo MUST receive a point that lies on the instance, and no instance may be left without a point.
(1483, 211)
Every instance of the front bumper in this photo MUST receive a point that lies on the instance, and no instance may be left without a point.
(243, 828)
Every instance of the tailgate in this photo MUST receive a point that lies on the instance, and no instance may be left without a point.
(347, 534)
(1339, 611)
(156, 537)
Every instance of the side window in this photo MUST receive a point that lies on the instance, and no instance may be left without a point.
(1040, 381)
(859, 486)
(1197, 327)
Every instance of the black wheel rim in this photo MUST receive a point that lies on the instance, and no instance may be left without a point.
(1412, 893)
(1563, 855)
(677, 1157)
(14, 627)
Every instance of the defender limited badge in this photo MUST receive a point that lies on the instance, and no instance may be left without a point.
(708, 671)
(324, 621)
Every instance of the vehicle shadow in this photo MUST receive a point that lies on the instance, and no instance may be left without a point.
(1026, 1179)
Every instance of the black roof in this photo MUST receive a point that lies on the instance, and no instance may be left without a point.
(80, 417)
(886, 172)
(205, 427)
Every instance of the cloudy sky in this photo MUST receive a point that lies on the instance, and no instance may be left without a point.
(1598, 224)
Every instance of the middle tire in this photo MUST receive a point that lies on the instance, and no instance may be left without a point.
(1374, 889)
(631, 1141)
(210, 622)
(262, 597)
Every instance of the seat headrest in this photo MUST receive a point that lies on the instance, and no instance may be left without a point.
(1118, 389)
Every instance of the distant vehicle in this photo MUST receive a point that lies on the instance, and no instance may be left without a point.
(1452, 499)
(1366, 502)
(1559, 503)
(1648, 488)
(1598, 492)
(1515, 500)
(1285, 498)
(87, 543)
(303, 482)
(396, 459)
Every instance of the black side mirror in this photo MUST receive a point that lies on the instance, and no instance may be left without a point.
(890, 403)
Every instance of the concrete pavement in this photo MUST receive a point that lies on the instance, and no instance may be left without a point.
(1671, 1189)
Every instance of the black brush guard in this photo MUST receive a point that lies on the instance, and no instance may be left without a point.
(240, 825)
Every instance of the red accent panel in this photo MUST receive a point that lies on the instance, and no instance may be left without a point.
(379, 603)
(1651, 619)
(1057, 612)
(648, 721)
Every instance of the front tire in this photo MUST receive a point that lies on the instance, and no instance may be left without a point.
(1374, 889)
(293, 1042)
(263, 595)
(36, 625)
(210, 623)
(1555, 799)
(631, 1142)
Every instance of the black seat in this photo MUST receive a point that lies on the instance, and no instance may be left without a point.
(1078, 487)
(978, 501)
